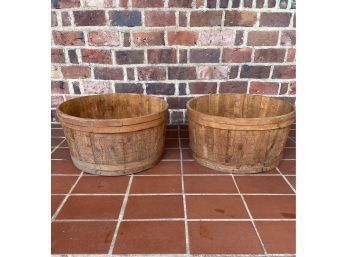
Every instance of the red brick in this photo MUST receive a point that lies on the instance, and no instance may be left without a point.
(76, 72)
(89, 18)
(203, 87)
(129, 88)
(239, 38)
(291, 55)
(255, 71)
(56, 100)
(233, 87)
(212, 72)
(248, 3)
(211, 3)
(178, 102)
(177, 117)
(284, 72)
(262, 38)
(147, 3)
(97, 87)
(182, 56)
(126, 39)
(272, 3)
(204, 55)
(54, 22)
(130, 74)
(125, 18)
(96, 56)
(186, 38)
(59, 87)
(283, 4)
(240, 18)
(182, 73)
(150, 38)
(151, 73)
(268, 88)
(234, 72)
(66, 20)
(161, 55)
(235, 3)
(130, 57)
(68, 38)
(103, 38)
(283, 88)
(224, 3)
(288, 38)
(273, 19)
(182, 19)
(160, 88)
(216, 37)
(205, 18)
(73, 56)
(57, 56)
(236, 55)
(58, 4)
(106, 73)
(260, 3)
(159, 18)
(123, 3)
(199, 3)
(180, 3)
(269, 55)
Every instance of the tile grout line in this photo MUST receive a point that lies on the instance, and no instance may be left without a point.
(168, 219)
(66, 198)
(250, 216)
(120, 216)
(187, 241)
(55, 148)
(286, 180)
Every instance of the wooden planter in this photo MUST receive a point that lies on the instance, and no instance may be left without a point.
(114, 134)
(237, 132)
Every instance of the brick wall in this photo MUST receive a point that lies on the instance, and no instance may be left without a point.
(177, 49)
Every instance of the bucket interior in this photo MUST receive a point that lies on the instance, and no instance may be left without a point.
(240, 106)
(113, 106)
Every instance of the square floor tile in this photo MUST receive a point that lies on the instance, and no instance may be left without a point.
(172, 127)
(81, 237)
(185, 143)
(57, 133)
(62, 184)
(63, 167)
(163, 168)
(171, 143)
(91, 207)
(56, 200)
(187, 154)
(156, 184)
(154, 207)
(215, 207)
(171, 154)
(292, 181)
(292, 133)
(221, 237)
(289, 153)
(184, 133)
(171, 134)
(101, 185)
(278, 236)
(263, 185)
(56, 141)
(61, 153)
(56, 125)
(272, 206)
(287, 167)
(209, 184)
(192, 167)
(151, 237)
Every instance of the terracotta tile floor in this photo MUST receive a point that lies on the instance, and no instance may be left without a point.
(176, 208)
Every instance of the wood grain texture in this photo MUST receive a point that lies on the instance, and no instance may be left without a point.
(114, 134)
(239, 133)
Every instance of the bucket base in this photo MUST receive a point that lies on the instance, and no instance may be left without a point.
(114, 170)
(240, 169)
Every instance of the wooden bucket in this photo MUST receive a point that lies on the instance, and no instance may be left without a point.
(114, 134)
(239, 133)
